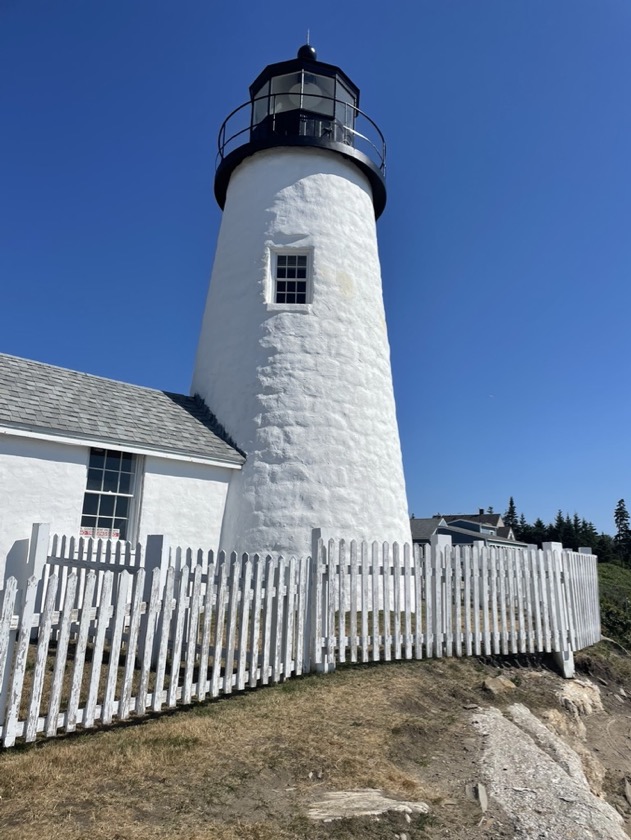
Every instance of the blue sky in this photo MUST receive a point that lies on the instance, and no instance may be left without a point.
(505, 245)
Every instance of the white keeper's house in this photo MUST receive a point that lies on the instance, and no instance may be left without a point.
(291, 421)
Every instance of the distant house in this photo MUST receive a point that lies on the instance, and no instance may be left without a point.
(465, 529)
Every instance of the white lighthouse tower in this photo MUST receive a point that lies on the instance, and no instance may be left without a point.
(293, 356)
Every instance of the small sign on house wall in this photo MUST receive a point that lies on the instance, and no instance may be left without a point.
(100, 533)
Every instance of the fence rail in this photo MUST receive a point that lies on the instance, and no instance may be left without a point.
(91, 632)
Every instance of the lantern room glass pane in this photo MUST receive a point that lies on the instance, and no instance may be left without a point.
(286, 92)
(261, 104)
(305, 91)
(318, 93)
(345, 106)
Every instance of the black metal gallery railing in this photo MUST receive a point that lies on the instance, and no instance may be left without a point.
(323, 118)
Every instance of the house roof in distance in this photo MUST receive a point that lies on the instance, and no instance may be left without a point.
(493, 519)
(424, 529)
(37, 397)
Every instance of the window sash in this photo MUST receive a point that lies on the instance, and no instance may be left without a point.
(111, 490)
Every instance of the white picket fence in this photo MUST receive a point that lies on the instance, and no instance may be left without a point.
(95, 631)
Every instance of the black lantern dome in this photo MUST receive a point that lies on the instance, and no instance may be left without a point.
(303, 102)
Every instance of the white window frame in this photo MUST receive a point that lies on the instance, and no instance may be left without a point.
(274, 253)
(133, 494)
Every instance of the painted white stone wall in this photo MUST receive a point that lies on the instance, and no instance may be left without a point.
(40, 481)
(44, 481)
(306, 391)
(183, 501)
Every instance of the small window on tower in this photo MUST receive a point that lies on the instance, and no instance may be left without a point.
(291, 279)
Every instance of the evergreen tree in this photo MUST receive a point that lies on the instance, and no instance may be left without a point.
(576, 532)
(588, 534)
(604, 548)
(540, 532)
(557, 528)
(622, 539)
(510, 517)
(523, 529)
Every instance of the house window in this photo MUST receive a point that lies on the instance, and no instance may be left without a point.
(109, 495)
(291, 280)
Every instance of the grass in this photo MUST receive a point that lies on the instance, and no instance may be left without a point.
(242, 767)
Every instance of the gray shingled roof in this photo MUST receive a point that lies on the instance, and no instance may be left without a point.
(42, 398)
(423, 529)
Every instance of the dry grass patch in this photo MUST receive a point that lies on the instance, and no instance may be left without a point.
(241, 767)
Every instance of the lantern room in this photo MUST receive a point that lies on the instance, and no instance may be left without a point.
(303, 102)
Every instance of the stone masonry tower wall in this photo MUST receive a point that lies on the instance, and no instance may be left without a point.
(305, 390)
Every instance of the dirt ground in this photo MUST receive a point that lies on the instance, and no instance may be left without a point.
(249, 766)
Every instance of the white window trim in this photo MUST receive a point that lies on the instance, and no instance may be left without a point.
(137, 486)
(270, 291)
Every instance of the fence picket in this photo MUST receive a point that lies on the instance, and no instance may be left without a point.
(255, 623)
(61, 655)
(165, 623)
(8, 603)
(376, 640)
(418, 603)
(203, 683)
(107, 711)
(365, 598)
(484, 597)
(191, 642)
(103, 615)
(19, 665)
(151, 619)
(244, 616)
(233, 602)
(493, 573)
(331, 592)
(353, 601)
(277, 620)
(341, 599)
(289, 628)
(428, 570)
(301, 615)
(475, 572)
(132, 644)
(457, 596)
(387, 601)
(407, 599)
(396, 571)
(86, 597)
(267, 622)
(39, 672)
(447, 593)
(220, 617)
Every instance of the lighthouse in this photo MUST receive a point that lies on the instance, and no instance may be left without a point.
(293, 356)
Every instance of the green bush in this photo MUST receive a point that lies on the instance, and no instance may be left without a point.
(615, 602)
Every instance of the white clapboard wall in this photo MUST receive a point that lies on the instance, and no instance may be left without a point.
(92, 632)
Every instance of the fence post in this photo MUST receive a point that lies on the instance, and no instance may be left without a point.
(318, 612)
(26, 559)
(564, 658)
(157, 556)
